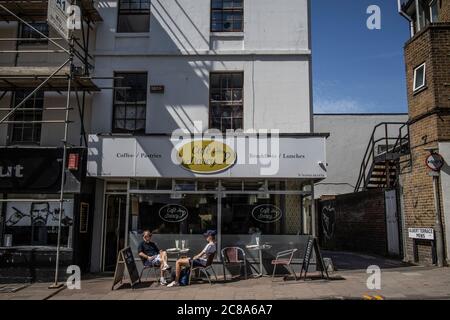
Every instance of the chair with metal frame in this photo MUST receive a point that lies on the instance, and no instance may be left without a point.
(230, 256)
(150, 269)
(284, 258)
(205, 269)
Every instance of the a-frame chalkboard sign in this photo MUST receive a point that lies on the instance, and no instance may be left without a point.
(312, 245)
(125, 260)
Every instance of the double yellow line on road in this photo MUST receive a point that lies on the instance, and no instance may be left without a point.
(376, 297)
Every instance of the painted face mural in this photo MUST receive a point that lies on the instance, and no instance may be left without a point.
(328, 221)
(37, 214)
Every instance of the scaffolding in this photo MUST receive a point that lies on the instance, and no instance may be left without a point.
(71, 76)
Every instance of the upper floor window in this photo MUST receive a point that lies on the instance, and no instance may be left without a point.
(227, 15)
(419, 77)
(130, 102)
(226, 100)
(134, 16)
(434, 11)
(25, 32)
(26, 128)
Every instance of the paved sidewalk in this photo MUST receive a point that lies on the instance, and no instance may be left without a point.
(399, 283)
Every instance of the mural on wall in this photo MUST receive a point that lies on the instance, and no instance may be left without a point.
(328, 221)
(22, 214)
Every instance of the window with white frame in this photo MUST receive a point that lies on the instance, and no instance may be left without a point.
(419, 77)
(434, 11)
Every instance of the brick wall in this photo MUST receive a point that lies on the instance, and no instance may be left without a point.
(429, 113)
(444, 13)
(354, 222)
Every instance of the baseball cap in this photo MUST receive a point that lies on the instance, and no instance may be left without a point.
(210, 233)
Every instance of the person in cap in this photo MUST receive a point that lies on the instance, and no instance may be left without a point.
(199, 260)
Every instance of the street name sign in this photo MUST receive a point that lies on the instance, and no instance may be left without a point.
(421, 233)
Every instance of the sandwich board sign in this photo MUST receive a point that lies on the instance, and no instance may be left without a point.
(312, 246)
(125, 260)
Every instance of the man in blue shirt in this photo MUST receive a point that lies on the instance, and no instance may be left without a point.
(151, 255)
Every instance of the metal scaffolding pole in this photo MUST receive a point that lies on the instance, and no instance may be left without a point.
(56, 285)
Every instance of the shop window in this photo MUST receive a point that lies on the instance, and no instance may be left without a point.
(27, 130)
(226, 100)
(36, 223)
(130, 102)
(227, 15)
(419, 77)
(134, 16)
(173, 218)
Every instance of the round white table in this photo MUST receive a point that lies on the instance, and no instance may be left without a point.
(260, 248)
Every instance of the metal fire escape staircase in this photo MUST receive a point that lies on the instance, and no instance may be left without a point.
(387, 151)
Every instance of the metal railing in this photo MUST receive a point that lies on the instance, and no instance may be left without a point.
(392, 145)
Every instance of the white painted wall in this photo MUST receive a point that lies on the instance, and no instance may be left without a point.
(179, 52)
(444, 150)
(346, 146)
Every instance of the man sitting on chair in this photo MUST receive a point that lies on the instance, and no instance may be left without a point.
(151, 255)
(199, 260)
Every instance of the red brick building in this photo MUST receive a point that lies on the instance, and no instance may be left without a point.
(427, 59)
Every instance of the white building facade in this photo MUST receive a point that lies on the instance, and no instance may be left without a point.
(199, 69)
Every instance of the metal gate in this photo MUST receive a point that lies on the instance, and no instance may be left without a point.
(393, 238)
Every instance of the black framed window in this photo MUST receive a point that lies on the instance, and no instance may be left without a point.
(25, 32)
(227, 15)
(226, 100)
(134, 16)
(130, 102)
(28, 117)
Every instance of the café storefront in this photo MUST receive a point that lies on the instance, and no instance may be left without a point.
(264, 191)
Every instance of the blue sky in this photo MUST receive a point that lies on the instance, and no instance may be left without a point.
(357, 70)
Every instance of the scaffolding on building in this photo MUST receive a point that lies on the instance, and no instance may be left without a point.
(72, 76)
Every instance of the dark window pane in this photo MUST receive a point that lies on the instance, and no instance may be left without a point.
(26, 131)
(130, 102)
(227, 15)
(133, 23)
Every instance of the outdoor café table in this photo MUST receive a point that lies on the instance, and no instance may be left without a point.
(260, 249)
(177, 251)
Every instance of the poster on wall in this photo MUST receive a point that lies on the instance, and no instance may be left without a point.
(42, 213)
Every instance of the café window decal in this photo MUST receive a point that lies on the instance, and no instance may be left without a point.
(206, 156)
(173, 213)
(267, 213)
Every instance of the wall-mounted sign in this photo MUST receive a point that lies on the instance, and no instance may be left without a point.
(435, 162)
(293, 157)
(173, 213)
(267, 213)
(35, 170)
(206, 156)
(421, 233)
(157, 89)
(57, 17)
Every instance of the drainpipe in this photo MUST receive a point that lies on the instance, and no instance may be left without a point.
(407, 17)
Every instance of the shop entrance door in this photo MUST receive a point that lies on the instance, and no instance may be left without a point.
(114, 230)
(393, 237)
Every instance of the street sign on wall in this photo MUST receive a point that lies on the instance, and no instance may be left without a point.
(435, 162)
(421, 233)
(57, 17)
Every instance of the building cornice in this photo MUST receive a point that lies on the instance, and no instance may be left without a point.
(206, 53)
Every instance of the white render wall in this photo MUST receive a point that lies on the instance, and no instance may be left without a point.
(179, 52)
(346, 146)
(444, 150)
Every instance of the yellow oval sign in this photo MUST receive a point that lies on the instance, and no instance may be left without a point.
(206, 156)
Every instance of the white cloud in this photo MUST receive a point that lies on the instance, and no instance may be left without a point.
(324, 105)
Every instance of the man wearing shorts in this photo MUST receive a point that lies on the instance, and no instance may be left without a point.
(199, 260)
(151, 255)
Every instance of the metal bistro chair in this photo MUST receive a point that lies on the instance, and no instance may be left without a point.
(230, 256)
(155, 269)
(284, 258)
(204, 269)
